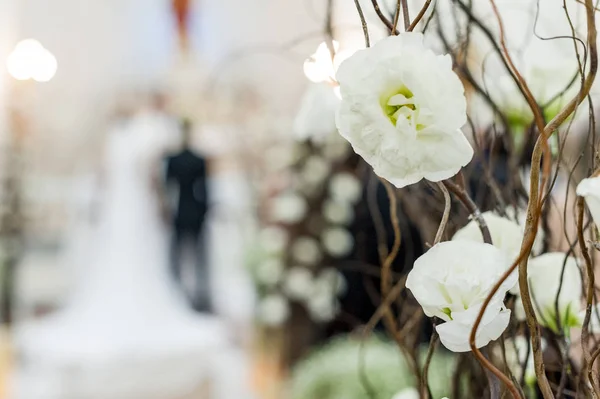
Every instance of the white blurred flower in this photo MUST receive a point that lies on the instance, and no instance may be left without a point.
(331, 280)
(273, 310)
(518, 352)
(288, 208)
(590, 190)
(298, 283)
(452, 280)
(322, 307)
(315, 170)
(335, 147)
(270, 271)
(544, 276)
(506, 234)
(316, 117)
(338, 242)
(345, 187)
(408, 393)
(273, 239)
(306, 250)
(338, 212)
(402, 110)
(520, 215)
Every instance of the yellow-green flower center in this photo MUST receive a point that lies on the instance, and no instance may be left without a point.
(400, 106)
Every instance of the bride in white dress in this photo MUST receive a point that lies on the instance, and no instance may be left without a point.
(126, 331)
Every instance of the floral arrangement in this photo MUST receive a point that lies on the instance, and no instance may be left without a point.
(304, 232)
(462, 98)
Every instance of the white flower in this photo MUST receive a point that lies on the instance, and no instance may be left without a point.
(452, 280)
(332, 281)
(506, 234)
(306, 250)
(590, 190)
(322, 306)
(520, 215)
(273, 310)
(270, 271)
(316, 117)
(273, 239)
(298, 284)
(345, 187)
(544, 276)
(402, 109)
(338, 242)
(518, 352)
(408, 393)
(337, 212)
(315, 170)
(288, 208)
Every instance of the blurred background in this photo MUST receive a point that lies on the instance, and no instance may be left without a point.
(177, 212)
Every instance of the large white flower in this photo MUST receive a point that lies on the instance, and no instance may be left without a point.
(506, 234)
(544, 276)
(590, 190)
(402, 110)
(452, 280)
(273, 310)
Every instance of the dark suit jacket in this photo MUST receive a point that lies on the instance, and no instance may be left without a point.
(187, 172)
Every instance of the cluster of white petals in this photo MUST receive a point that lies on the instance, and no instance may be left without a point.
(451, 282)
(402, 110)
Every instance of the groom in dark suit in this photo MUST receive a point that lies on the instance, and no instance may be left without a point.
(186, 179)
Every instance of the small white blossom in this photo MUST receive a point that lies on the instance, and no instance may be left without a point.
(452, 280)
(298, 283)
(288, 208)
(338, 212)
(306, 250)
(273, 239)
(270, 271)
(331, 280)
(590, 190)
(273, 310)
(338, 242)
(402, 110)
(544, 277)
(518, 352)
(315, 170)
(345, 187)
(408, 393)
(322, 307)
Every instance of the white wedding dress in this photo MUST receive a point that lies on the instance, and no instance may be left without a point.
(126, 332)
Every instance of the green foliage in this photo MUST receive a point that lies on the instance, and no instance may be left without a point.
(339, 369)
